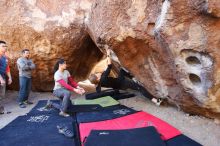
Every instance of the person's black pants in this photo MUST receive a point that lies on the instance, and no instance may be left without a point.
(127, 83)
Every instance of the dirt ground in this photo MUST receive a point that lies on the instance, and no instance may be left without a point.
(201, 129)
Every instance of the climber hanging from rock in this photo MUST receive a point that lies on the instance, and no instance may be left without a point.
(124, 80)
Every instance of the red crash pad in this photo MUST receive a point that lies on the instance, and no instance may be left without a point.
(136, 120)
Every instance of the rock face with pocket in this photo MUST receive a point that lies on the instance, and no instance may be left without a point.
(171, 46)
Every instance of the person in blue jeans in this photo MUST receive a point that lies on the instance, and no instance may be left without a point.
(25, 67)
(64, 85)
(4, 72)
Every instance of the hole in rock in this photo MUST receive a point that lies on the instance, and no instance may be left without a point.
(150, 28)
(195, 79)
(192, 60)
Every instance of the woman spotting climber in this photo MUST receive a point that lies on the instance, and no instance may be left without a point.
(123, 81)
(64, 85)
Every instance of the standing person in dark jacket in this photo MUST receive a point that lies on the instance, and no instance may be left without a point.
(123, 81)
(4, 71)
(25, 68)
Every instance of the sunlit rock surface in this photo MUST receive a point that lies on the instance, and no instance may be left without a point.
(171, 46)
(51, 29)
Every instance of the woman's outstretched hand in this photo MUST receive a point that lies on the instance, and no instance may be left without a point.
(79, 90)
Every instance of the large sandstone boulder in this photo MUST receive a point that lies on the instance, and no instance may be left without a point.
(51, 29)
(171, 46)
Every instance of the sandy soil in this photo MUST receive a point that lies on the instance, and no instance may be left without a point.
(201, 129)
